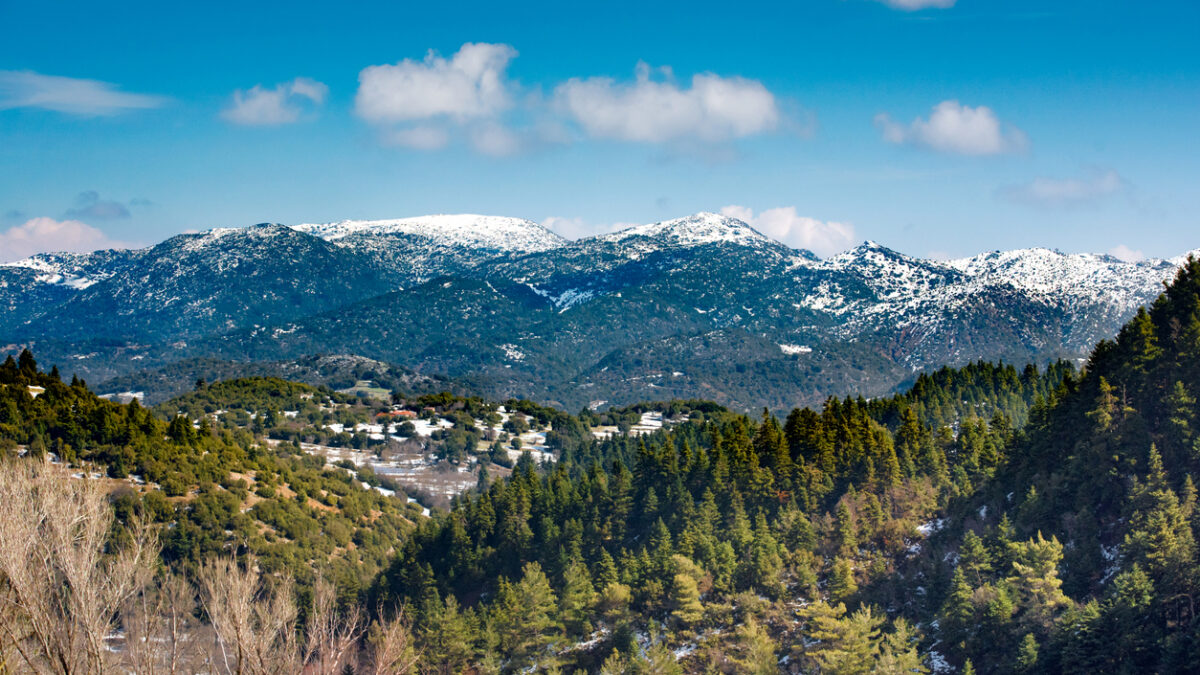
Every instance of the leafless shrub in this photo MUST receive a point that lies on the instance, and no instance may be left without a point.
(332, 637)
(60, 591)
(161, 633)
(392, 651)
(254, 619)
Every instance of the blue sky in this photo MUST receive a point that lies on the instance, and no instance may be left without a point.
(936, 127)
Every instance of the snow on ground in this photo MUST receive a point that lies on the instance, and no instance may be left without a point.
(931, 527)
(794, 349)
(938, 663)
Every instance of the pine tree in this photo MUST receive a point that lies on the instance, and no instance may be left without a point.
(524, 613)
(1036, 580)
(578, 599)
(446, 638)
(958, 612)
(974, 559)
(1027, 654)
(898, 653)
(756, 650)
(606, 570)
(685, 600)
(26, 363)
(841, 583)
(846, 541)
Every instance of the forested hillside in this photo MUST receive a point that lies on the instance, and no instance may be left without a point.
(989, 519)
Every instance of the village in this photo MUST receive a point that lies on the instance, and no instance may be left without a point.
(420, 448)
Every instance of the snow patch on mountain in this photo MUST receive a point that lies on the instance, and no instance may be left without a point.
(1061, 278)
(899, 286)
(695, 230)
(496, 233)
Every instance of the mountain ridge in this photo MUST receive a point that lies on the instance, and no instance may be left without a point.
(459, 296)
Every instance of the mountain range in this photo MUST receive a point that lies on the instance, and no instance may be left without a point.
(703, 306)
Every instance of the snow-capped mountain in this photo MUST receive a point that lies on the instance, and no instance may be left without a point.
(700, 229)
(419, 249)
(467, 231)
(1056, 277)
(678, 253)
(697, 306)
(211, 282)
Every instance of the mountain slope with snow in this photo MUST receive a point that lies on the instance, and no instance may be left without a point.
(697, 306)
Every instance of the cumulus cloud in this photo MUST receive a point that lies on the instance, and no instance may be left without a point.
(783, 224)
(39, 235)
(712, 109)
(471, 84)
(1123, 252)
(430, 103)
(89, 205)
(914, 5)
(425, 105)
(1067, 192)
(281, 104)
(958, 129)
(89, 98)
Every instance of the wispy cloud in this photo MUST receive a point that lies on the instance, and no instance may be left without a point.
(956, 129)
(40, 235)
(783, 224)
(282, 104)
(649, 110)
(914, 5)
(89, 205)
(1063, 193)
(89, 98)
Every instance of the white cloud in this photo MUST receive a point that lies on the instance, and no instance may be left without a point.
(418, 138)
(713, 109)
(428, 104)
(914, 5)
(576, 228)
(310, 89)
(571, 228)
(1067, 192)
(27, 89)
(956, 128)
(783, 224)
(496, 140)
(471, 84)
(282, 104)
(1123, 252)
(40, 235)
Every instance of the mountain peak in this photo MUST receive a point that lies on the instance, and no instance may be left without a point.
(870, 251)
(466, 229)
(695, 230)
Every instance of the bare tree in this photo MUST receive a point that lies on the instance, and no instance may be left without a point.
(391, 644)
(254, 619)
(161, 633)
(60, 591)
(332, 636)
